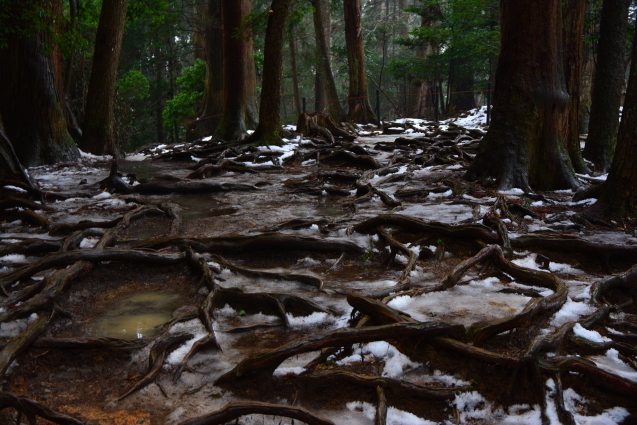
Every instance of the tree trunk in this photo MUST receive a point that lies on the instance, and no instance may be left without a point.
(250, 81)
(324, 68)
(295, 75)
(98, 134)
(608, 83)
(268, 132)
(525, 145)
(463, 99)
(359, 108)
(232, 124)
(574, 17)
(618, 194)
(199, 31)
(212, 104)
(31, 89)
(159, 96)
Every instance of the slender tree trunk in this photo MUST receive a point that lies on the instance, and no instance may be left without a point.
(618, 194)
(232, 125)
(98, 135)
(268, 132)
(359, 108)
(574, 17)
(525, 145)
(212, 104)
(607, 87)
(324, 68)
(251, 102)
(295, 75)
(31, 89)
(159, 96)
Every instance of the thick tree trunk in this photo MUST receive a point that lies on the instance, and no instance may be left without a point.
(618, 194)
(525, 145)
(31, 89)
(331, 104)
(268, 132)
(232, 124)
(159, 96)
(359, 108)
(98, 133)
(574, 17)
(463, 99)
(199, 31)
(608, 83)
(212, 104)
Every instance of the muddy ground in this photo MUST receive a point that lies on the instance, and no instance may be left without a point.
(322, 251)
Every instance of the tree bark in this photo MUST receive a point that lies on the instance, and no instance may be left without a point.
(31, 89)
(331, 103)
(232, 124)
(268, 132)
(199, 31)
(574, 18)
(608, 84)
(359, 108)
(99, 135)
(525, 145)
(212, 104)
(618, 195)
(295, 74)
(250, 81)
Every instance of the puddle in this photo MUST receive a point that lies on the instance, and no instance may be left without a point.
(205, 213)
(135, 316)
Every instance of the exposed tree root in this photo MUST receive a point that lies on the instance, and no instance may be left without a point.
(263, 242)
(467, 231)
(21, 343)
(400, 388)
(30, 247)
(158, 354)
(624, 280)
(241, 408)
(265, 362)
(209, 341)
(31, 409)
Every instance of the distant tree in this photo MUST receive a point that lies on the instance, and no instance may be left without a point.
(359, 107)
(608, 83)
(31, 86)
(268, 132)
(98, 131)
(618, 194)
(526, 143)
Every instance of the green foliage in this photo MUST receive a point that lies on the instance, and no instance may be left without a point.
(184, 105)
(133, 86)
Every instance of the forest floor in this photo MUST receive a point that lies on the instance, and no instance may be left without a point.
(356, 282)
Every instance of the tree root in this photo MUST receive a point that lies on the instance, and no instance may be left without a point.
(263, 242)
(289, 277)
(209, 341)
(624, 280)
(30, 247)
(20, 343)
(398, 387)
(158, 354)
(31, 409)
(265, 362)
(466, 231)
(240, 408)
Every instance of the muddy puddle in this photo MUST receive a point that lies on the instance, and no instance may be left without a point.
(135, 316)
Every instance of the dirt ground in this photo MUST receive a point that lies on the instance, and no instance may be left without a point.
(257, 302)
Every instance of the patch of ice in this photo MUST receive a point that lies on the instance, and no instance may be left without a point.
(136, 157)
(17, 189)
(282, 371)
(613, 364)
(441, 195)
(194, 327)
(102, 195)
(88, 243)
(514, 191)
(14, 258)
(570, 312)
(396, 363)
(394, 416)
(594, 336)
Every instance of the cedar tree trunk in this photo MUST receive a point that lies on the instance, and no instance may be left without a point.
(525, 146)
(359, 108)
(268, 132)
(608, 84)
(99, 136)
(232, 125)
(212, 104)
(295, 74)
(199, 31)
(618, 194)
(31, 89)
(324, 68)
(574, 14)
(250, 81)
